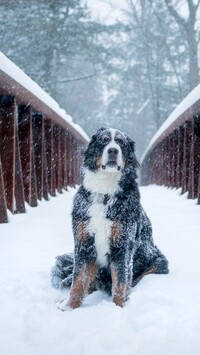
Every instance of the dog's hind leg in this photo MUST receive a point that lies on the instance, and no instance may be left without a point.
(61, 272)
(145, 263)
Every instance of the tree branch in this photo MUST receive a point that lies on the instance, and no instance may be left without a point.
(76, 79)
(168, 51)
(192, 10)
(175, 14)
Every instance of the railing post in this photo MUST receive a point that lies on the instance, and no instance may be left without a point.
(196, 154)
(70, 158)
(62, 153)
(57, 157)
(175, 158)
(152, 169)
(165, 162)
(40, 155)
(65, 166)
(27, 154)
(3, 211)
(179, 166)
(49, 138)
(186, 155)
(168, 162)
(45, 187)
(19, 187)
(8, 147)
(73, 161)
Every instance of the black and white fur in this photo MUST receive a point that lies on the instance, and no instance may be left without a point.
(113, 240)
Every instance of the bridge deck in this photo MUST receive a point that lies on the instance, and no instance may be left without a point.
(161, 317)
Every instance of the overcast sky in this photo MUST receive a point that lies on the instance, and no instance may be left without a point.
(107, 11)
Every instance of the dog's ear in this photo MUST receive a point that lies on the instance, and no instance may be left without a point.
(94, 137)
(89, 153)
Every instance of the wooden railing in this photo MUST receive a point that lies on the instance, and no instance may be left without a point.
(40, 152)
(173, 156)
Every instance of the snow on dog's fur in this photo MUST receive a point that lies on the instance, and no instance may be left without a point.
(113, 240)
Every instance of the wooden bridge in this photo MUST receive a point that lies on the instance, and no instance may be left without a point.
(173, 156)
(40, 146)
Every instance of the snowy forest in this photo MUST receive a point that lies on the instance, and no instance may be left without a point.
(128, 70)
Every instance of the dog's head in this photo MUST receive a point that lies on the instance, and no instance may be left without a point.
(110, 150)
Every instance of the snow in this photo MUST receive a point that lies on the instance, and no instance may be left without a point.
(14, 72)
(162, 316)
(189, 100)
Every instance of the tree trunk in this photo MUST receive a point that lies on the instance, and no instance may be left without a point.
(193, 58)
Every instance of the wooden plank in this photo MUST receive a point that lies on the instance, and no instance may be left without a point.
(38, 152)
(198, 194)
(63, 159)
(57, 157)
(65, 162)
(165, 171)
(26, 153)
(3, 210)
(174, 144)
(186, 156)
(179, 157)
(196, 154)
(161, 165)
(74, 172)
(191, 164)
(79, 165)
(19, 186)
(39, 144)
(73, 161)
(44, 165)
(8, 147)
(68, 159)
(50, 156)
(168, 162)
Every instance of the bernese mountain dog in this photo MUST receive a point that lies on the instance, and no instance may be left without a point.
(113, 244)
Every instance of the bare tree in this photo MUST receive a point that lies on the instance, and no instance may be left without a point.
(188, 26)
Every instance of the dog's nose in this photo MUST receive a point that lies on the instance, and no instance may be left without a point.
(113, 152)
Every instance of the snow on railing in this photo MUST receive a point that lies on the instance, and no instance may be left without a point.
(173, 155)
(39, 143)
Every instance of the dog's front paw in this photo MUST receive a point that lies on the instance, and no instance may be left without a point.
(62, 305)
(119, 301)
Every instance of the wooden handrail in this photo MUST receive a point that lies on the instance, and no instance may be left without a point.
(40, 148)
(173, 156)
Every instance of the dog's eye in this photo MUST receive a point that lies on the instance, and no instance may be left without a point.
(105, 139)
(119, 141)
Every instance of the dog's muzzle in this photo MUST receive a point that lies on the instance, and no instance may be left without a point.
(112, 159)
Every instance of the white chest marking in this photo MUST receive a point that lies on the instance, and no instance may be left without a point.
(100, 226)
(102, 182)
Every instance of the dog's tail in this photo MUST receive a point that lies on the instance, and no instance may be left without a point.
(61, 272)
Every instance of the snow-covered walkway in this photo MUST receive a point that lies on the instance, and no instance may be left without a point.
(162, 316)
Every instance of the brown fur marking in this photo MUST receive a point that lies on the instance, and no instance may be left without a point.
(82, 231)
(116, 231)
(150, 271)
(99, 162)
(81, 284)
(119, 292)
